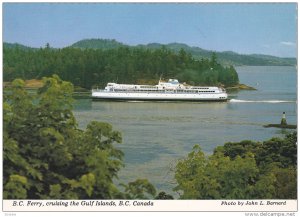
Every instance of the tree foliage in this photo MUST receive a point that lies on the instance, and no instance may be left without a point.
(46, 155)
(140, 189)
(164, 196)
(90, 67)
(243, 170)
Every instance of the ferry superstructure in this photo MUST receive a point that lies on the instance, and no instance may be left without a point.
(171, 90)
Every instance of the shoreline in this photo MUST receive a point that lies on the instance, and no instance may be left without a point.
(239, 87)
(34, 84)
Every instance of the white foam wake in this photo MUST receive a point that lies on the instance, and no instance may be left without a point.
(260, 101)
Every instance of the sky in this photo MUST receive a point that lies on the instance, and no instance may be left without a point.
(245, 28)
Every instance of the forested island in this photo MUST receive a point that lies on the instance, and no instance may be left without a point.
(89, 68)
(225, 57)
(46, 156)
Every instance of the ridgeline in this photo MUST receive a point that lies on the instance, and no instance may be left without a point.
(225, 58)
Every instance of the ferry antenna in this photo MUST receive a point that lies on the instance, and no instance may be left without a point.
(160, 77)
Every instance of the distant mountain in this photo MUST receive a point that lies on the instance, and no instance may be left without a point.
(228, 57)
(97, 44)
(225, 58)
(293, 61)
(16, 45)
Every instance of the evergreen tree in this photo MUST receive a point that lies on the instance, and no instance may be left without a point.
(243, 170)
(46, 156)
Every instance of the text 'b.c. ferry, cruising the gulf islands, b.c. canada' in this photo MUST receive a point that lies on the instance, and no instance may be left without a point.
(164, 91)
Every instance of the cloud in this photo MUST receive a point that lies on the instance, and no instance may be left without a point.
(288, 43)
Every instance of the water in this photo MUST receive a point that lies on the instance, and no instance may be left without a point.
(156, 135)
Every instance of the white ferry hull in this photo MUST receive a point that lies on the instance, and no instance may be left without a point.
(102, 95)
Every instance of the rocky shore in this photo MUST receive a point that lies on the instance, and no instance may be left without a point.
(240, 87)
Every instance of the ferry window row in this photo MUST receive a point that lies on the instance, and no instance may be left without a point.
(200, 88)
(164, 91)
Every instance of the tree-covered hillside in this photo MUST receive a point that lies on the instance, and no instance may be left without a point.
(225, 58)
(17, 45)
(98, 44)
(96, 67)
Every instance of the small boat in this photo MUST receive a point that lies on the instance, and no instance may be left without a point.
(171, 90)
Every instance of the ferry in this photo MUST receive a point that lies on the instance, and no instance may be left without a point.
(171, 90)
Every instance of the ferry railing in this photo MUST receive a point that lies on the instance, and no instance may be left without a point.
(158, 92)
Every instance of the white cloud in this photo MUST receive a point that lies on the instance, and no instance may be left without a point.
(288, 43)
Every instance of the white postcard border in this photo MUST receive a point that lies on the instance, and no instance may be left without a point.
(150, 205)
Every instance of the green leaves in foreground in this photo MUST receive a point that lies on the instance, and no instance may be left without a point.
(244, 170)
(137, 189)
(46, 156)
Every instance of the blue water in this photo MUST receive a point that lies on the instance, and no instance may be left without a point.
(156, 135)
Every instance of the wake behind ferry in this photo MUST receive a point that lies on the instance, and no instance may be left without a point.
(171, 90)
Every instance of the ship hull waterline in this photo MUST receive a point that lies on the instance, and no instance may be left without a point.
(158, 100)
(166, 97)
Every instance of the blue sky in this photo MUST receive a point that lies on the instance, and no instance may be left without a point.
(243, 28)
